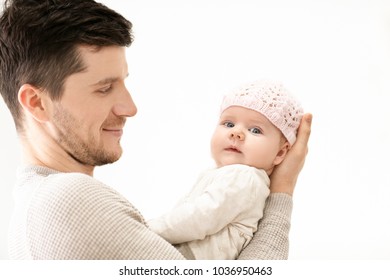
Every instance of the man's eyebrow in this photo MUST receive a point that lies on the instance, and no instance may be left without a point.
(107, 81)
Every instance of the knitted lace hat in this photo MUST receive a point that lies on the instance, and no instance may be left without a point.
(272, 100)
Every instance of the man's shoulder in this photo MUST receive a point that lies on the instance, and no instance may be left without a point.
(64, 193)
(49, 187)
(73, 179)
(75, 185)
(33, 175)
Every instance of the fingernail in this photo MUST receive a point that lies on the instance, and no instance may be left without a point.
(309, 118)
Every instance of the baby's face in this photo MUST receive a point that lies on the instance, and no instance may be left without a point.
(244, 136)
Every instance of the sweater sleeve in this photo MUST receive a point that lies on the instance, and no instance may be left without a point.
(233, 190)
(271, 242)
(77, 217)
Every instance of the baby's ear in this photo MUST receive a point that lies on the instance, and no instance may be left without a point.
(282, 153)
(31, 99)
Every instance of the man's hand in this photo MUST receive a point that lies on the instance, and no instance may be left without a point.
(285, 175)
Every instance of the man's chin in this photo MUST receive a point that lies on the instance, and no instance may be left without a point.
(102, 163)
(110, 160)
(107, 158)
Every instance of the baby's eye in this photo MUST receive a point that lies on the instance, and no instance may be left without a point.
(228, 124)
(255, 130)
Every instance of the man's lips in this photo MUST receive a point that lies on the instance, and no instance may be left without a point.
(114, 131)
(114, 127)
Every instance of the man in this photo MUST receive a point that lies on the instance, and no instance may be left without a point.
(62, 73)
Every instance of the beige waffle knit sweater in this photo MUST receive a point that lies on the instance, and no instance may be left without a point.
(74, 216)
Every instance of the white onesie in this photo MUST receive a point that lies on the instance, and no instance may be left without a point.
(217, 219)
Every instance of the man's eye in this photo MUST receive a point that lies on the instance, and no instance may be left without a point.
(106, 89)
(255, 130)
(228, 124)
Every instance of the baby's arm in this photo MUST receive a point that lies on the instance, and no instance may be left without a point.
(231, 192)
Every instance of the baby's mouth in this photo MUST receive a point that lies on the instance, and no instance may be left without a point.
(233, 149)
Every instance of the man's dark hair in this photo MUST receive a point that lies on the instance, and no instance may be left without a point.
(39, 40)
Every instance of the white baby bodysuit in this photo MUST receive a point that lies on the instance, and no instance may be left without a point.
(217, 219)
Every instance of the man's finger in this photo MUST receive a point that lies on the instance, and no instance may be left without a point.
(304, 130)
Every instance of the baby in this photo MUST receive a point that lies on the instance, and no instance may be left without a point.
(217, 219)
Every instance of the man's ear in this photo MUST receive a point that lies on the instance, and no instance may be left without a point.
(31, 99)
(282, 153)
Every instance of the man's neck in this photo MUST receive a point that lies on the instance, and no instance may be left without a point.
(40, 149)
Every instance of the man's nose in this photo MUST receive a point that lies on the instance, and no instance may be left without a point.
(125, 106)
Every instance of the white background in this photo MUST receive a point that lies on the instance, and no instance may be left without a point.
(333, 55)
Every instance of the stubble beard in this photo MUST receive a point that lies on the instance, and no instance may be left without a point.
(88, 152)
